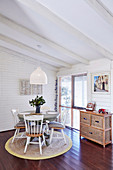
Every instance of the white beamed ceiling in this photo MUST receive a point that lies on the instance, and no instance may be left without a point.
(68, 31)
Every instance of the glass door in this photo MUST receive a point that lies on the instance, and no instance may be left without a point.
(65, 97)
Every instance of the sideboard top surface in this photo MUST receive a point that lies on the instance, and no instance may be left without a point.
(96, 113)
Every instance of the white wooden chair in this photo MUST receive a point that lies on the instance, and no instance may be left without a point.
(47, 121)
(34, 128)
(18, 125)
(57, 125)
(45, 109)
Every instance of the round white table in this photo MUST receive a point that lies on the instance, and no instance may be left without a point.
(49, 115)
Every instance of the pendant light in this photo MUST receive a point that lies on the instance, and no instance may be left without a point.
(38, 77)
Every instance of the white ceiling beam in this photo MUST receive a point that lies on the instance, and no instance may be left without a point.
(44, 11)
(41, 39)
(27, 58)
(40, 55)
(102, 10)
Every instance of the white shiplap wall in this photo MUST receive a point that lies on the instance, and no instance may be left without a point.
(102, 100)
(12, 69)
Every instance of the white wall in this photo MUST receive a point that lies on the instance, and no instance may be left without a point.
(12, 69)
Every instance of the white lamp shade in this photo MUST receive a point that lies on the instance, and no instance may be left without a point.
(38, 77)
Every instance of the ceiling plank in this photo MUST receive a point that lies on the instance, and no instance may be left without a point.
(41, 39)
(102, 10)
(40, 55)
(44, 11)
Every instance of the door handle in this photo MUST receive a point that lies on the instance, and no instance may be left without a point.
(96, 121)
(90, 133)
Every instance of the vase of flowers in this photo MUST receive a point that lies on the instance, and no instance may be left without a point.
(37, 102)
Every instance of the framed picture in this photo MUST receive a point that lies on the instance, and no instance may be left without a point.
(36, 89)
(27, 89)
(101, 83)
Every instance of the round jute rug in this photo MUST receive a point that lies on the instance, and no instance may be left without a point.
(56, 148)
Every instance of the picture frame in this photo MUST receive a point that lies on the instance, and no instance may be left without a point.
(36, 89)
(101, 83)
(25, 88)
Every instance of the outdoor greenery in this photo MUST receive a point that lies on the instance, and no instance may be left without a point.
(37, 101)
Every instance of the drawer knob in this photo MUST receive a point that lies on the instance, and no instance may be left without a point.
(85, 118)
(96, 121)
(90, 133)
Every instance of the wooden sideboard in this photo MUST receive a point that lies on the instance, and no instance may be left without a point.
(96, 127)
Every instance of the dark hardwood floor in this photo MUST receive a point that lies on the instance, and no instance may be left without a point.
(84, 155)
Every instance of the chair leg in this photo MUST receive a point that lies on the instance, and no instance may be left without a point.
(14, 135)
(40, 145)
(63, 135)
(51, 135)
(44, 128)
(22, 134)
(47, 127)
(18, 130)
(27, 143)
(44, 140)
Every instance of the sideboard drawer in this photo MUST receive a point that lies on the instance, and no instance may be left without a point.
(97, 121)
(85, 118)
(95, 134)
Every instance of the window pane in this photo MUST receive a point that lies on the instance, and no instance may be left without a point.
(76, 119)
(80, 91)
(68, 116)
(66, 91)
